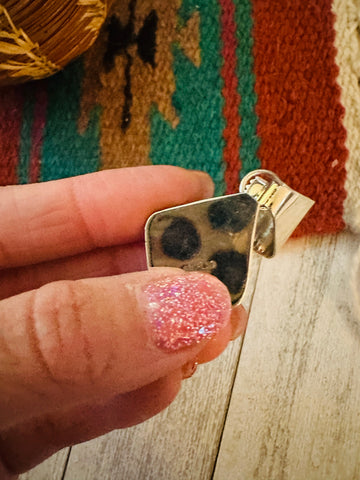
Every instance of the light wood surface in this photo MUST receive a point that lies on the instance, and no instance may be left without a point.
(294, 412)
(52, 469)
(285, 405)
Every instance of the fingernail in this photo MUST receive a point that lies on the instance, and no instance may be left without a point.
(207, 185)
(189, 369)
(186, 309)
(239, 319)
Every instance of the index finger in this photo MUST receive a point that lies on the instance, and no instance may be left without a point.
(45, 221)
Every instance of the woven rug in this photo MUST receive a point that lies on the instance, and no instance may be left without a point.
(225, 86)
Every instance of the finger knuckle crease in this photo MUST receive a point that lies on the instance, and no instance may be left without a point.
(82, 218)
(58, 333)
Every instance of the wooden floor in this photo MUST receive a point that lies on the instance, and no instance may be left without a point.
(285, 404)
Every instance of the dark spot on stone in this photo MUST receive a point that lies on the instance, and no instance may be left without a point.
(231, 269)
(180, 240)
(232, 214)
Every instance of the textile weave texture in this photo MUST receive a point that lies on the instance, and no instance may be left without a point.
(224, 86)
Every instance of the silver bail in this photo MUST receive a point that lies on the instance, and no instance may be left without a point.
(281, 209)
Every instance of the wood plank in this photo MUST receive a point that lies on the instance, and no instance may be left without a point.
(294, 412)
(180, 443)
(52, 469)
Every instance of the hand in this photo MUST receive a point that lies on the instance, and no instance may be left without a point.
(85, 345)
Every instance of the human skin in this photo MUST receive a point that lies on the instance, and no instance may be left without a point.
(80, 353)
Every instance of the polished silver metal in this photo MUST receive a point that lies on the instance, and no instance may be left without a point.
(281, 209)
(218, 235)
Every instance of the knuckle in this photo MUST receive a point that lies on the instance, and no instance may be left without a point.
(88, 232)
(58, 332)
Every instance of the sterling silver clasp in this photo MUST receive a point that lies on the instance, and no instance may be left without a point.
(281, 209)
(218, 235)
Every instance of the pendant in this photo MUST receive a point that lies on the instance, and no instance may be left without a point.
(219, 235)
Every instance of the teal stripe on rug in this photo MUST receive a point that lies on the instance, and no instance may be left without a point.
(25, 138)
(66, 152)
(197, 142)
(246, 87)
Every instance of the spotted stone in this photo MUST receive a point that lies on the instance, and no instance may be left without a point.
(212, 236)
(180, 239)
(232, 214)
(231, 269)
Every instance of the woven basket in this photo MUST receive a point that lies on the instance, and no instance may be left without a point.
(39, 37)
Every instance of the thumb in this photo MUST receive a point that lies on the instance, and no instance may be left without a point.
(72, 341)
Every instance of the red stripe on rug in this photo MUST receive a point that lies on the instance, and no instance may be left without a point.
(300, 127)
(11, 106)
(231, 97)
(37, 133)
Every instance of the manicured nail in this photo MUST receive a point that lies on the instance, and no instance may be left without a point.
(189, 369)
(206, 183)
(239, 320)
(187, 309)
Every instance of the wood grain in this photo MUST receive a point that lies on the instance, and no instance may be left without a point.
(180, 443)
(294, 412)
(51, 469)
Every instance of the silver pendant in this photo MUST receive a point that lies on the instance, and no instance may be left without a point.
(218, 235)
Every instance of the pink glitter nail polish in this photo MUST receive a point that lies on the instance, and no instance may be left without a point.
(187, 309)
